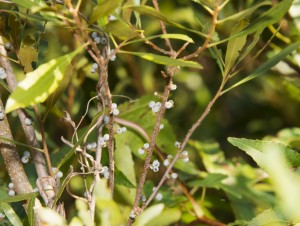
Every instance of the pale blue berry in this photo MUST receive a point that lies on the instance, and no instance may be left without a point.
(161, 126)
(11, 185)
(28, 122)
(174, 175)
(141, 151)
(93, 145)
(11, 193)
(1, 115)
(146, 145)
(116, 111)
(97, 40)
(158, 196)
(94, 34)
(151, 104)
(26, 153)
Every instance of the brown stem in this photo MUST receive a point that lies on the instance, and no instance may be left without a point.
(38, 157)
(151, 146)
(12, 159)
(186, 139)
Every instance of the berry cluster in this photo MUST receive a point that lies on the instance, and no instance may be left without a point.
(155, 165)
(155, 107)
(114, 109)
(121, 130)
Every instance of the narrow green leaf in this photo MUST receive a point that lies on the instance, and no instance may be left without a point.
(149, 214)
(104, 9)
(267, 65)
(2, 83)
(164, 36)
(234, 46)
(256, 148)
(18, 198)
(30, 211)
(40, 83)
(122, 179)
(11, 214)
(25, 3)
(20, 144)
(164, 60)
(271, 16)
(150, 11)
(243, 14)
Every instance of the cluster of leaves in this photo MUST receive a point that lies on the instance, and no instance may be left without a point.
(243, 45)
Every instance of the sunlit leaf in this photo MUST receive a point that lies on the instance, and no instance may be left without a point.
(50, 217)
(30, 211)
(48, 76)
(267, 65)
(164, 60)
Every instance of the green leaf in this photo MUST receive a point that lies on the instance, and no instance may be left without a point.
(108, 210)
(11, 214)
(30, 211)
(164, 60)
(256, 149)
(122, 179)
(25, 3)
(167, 217)
(163, 36)
(213, 180)
(123, 158)
(20, 144)
(148, 214)
(121, 30)
(40, 83)
(104, 9)
(243, 14)
(267, 65)
(150, 11)
(269, 17)
(234, 46)
(268, 217)
(18, 198)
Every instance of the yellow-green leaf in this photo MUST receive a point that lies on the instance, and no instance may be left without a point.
(40, 83)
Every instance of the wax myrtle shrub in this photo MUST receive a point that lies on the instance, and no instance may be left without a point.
(132, 112)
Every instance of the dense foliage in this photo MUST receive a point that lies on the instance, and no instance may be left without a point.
(149, 112)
